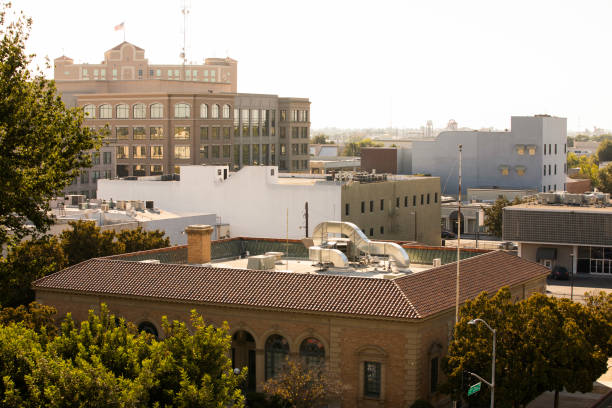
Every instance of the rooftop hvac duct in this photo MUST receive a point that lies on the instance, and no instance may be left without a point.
(360, 241)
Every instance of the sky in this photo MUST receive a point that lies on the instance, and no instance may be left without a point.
(368, 64)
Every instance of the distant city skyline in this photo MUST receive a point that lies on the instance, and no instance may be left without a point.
(394, 64)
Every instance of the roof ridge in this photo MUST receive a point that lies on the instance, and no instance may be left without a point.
(402, 294)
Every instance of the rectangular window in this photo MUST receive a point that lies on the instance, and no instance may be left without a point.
(107, 157)
(107, 174)
(226, 151)
(405, 201)
(181, 132)
(95, 158)
(157, 74)
(382, 230)
(397, 202)
(295, 149)
(435, 197)
(122, 133)
(283, 115)
(422, 199)
(363, 207)
(203, 134)
(103, 74)
(371, 206)
(347, 209)
(157, 152)
(182, 152)
(555, 148)
(549, 168)
(549, 148)
(203, 152)
(555, 169)
(156, 132)
(371, 232)
(216, 152)
(215, 133)
(382, 205)
(413, 200)
(139, 170)
(157, 169)
(114, 74)
(544, 149)
(139, 152)
(371, 378)
(123, 152)
(427, 198)
(84, 177)
(139, 133)
(140, 74)
(294, 132)
(226, 133)
(283, 132)
(434, 375)
(544, 169)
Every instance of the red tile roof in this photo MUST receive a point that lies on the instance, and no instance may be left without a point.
(410, 297)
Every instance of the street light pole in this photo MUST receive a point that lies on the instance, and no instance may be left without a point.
(492, 384)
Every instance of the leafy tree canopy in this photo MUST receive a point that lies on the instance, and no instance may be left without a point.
(354, 147)
(604, 151)
(494, 215)
(605, 179)
(543, 344)
(320, 139)
(42, 143)
(106, 363)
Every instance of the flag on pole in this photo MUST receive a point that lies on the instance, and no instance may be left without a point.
(119, 26)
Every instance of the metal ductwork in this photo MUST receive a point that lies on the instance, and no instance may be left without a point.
(328, 255)
(360, 241)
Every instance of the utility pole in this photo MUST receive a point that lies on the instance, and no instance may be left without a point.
(306, 217)
(458, 240)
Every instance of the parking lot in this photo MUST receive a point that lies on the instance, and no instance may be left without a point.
(581, 284)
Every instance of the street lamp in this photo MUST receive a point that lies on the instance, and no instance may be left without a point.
(492, 383)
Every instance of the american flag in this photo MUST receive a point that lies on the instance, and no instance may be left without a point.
(119, 27)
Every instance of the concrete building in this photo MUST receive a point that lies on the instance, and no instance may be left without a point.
(472, 217)
(584, 148)
(394, 160)
(532, 155)
(257, 200)
(569, 230)
(103, 167)
(160, 117)
(383, 337)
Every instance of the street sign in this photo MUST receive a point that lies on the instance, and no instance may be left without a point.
(474, 389)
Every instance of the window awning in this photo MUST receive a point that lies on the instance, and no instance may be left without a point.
(546, 253)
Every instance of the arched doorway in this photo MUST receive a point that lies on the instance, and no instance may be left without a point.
(454, 224)
(243, 355)
(277, 350)
(312, 353)
(148, 327)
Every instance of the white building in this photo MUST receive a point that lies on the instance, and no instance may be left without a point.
(532, 155)
(254, 200)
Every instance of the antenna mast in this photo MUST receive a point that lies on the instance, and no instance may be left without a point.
(183, 55)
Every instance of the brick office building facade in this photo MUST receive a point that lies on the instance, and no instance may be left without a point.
(384, 338)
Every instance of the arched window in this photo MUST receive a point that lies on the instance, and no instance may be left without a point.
(157, 111)
(140, 111)
(226, 111)
(106, 112)
(182, 110)
(90, 111)
(204, 111)
(148, 327)
(312, 352)
(123, 111)
(215, 111)
(277, 349)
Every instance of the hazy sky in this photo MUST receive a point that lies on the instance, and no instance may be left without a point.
(370, 64)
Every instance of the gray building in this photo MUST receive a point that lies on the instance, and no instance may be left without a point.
(529, 156)
(577, 237)
(103, 167)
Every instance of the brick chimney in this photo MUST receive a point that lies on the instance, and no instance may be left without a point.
(198, 243)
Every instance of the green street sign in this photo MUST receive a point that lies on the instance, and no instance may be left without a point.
(474, 389)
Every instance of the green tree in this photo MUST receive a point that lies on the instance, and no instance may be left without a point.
(494, 214)
(107, 363)
(85, 240)
(604, 179)
(570, 141)
(34, 316)
(572, 160)
(42, 143)
(543, 344)
(320, 139)
(353, 148)
(582, 138)
(141, 240)
(25, 262)
(302, 386)
(604, 151)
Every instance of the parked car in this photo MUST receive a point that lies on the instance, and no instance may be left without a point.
(508, 245)
(448, 234)
(559, 273)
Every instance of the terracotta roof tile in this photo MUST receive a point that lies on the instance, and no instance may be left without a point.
(410, 297)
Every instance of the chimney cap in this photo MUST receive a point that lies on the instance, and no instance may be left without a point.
(198, 228)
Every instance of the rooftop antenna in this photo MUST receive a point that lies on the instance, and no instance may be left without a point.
(183, 55)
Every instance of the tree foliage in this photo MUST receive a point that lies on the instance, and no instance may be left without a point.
(33, 259)
(106, 363)
(320, 139)
(543, 344)
(604, 151)
(353, 148)
(302, 386)
(42, 143)
(494, 215)
(605, 179)
(24, 263)
(85, 240)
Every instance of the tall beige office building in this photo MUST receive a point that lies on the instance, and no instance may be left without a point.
(163, 116)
